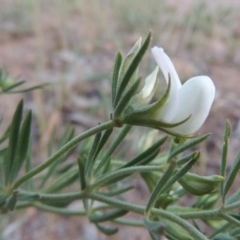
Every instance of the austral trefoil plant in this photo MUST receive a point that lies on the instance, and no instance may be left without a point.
(96, 173)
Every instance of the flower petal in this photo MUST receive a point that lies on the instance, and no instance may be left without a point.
(195, 99)
(166, 65)
(168, 111)
(150, 84)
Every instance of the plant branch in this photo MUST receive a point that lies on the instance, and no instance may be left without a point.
(71, 144)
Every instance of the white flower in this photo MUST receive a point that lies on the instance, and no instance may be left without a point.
(191, 100)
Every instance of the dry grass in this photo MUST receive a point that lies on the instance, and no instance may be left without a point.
(72, 44)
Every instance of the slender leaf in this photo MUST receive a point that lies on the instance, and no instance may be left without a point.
(161, 183)
(123, 102)
(232, 175)
(181, 172)
(186, 159)
(7, 89)
(82, 173)
(133, 66)
(235, 232)
(144, 161)
(30, 182)
(13, 142)
(234, 197)
(89, 163)
(102, 142)
(30, 89)
(108, 216)
(107, 231)
(115, 77)
(224, 155)
(140, 158)
(23, 145)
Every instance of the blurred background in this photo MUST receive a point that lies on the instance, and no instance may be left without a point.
(72, 44)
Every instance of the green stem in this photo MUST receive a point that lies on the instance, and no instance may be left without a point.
(140, 209)
(71, 144)
(57, 210)
(41, 197)
(204, 214)
(128, 222)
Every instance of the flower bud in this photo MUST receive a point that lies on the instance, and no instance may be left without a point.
(200, 185)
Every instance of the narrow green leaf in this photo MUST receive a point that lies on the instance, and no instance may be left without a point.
(142, 157)
(82, 173)
(23, 145)
(234, 197)
(102, 142)
(224, 154)
(107, 166)
(29, 89)
(123, 102)
(181, 172)
(133, 66)
(13, 142)
(144, 161)
(235, 232)
(120, 174)
(185, 159)
(67, 136)
(30, 182)
(108, 216)
(222, 236)
(187, 145)
(89, 163)
(113, 147)
(161, 183)
(115, 77)
(232, 175)
(107, 231)
(13, 86)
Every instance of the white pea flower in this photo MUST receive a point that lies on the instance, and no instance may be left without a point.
(194, 98)
(186, 107)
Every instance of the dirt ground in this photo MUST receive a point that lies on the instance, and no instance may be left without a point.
(73, 46)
